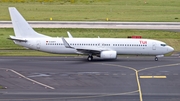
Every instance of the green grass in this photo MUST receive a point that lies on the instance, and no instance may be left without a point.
(8, 48)
(115, 10)
(1, 87)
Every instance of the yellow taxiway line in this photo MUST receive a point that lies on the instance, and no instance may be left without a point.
(131, 68)
(152, 77)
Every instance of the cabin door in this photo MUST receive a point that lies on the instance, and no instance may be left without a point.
(38, 45)
(153, 46)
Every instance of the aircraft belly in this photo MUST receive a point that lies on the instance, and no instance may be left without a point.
(59, 50)
(137, 51)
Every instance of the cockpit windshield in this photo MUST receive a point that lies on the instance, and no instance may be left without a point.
(163, 45)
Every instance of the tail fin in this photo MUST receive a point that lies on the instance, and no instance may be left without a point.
(21, 28)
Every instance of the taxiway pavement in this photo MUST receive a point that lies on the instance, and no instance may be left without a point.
(75, 79)
(170, 26)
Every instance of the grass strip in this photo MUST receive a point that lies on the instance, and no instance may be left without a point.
(114, 10)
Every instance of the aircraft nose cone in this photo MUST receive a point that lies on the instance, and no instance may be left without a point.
(170, 49)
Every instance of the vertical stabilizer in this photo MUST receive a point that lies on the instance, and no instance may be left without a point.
(21, 28)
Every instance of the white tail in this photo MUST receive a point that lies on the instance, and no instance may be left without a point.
(21, 28)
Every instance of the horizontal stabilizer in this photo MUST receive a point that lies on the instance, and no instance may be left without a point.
(17, 39)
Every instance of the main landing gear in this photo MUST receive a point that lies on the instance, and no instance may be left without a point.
(158, 56)
(156, 59)
(90, 58)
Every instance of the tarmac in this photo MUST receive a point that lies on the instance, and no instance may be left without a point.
(134, 78)
(168, 26)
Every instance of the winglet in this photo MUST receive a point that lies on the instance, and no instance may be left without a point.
(69, 34)
(66, 44)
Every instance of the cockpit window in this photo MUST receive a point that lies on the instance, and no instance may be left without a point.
(163, 44)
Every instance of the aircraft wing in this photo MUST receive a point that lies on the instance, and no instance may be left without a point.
(84, 50)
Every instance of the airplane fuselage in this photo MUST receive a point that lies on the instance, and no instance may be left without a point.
(120, 45)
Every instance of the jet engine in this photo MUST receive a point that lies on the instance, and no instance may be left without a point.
(108, 55)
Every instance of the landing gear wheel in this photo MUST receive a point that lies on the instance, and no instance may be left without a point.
(90, 58)
(156, 59)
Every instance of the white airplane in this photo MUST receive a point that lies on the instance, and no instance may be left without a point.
(105, 48)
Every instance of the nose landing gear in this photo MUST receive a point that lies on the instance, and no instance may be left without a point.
(158, 56)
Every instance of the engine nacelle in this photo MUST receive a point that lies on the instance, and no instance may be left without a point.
(108, 55)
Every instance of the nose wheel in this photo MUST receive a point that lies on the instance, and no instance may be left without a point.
(90, 58)
(156, 59)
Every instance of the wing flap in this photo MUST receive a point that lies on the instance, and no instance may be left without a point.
(87, 50)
